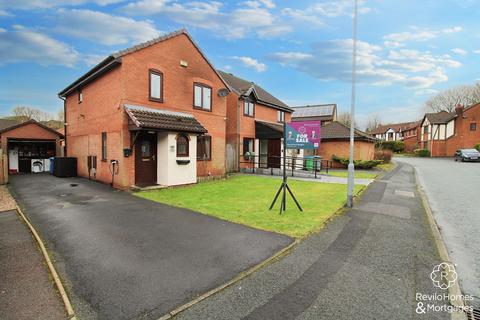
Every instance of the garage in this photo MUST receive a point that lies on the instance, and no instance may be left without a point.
(27, 147)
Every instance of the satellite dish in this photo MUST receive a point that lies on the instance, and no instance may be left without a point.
(223, 92)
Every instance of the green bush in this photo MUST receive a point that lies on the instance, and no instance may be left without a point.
(422, 152)
(359, 164)
(395, 146)
(384, 155)
(477, 146)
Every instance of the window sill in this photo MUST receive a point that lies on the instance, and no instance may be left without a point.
(155, 99)
(202, 109)
(249, 116)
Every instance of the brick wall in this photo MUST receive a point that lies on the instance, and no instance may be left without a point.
(362, 151)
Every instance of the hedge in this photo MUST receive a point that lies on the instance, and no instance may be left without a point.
(359, 164)
(395, 146)
(422, 152)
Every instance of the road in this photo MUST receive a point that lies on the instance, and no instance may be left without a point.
(453, 191)
(368, 263)
(124, 257)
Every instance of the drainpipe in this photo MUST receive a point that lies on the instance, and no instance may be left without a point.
(64, 125)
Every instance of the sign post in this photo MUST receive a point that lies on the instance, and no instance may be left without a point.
(296, 135)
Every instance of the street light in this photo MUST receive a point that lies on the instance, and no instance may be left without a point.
(351, 167)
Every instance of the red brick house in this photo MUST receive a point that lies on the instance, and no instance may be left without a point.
(26, 147)
(152, 114)
(444, 132)
(392, 131)
(254, 124)
(410, 135)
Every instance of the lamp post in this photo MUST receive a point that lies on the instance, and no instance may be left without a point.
(351, 167)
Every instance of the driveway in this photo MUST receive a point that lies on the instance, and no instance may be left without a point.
(123, 257)
(453, 190)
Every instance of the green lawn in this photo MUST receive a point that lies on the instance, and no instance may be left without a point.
(358, 174)
(245, 200)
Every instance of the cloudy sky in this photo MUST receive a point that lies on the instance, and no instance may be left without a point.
(299, 50)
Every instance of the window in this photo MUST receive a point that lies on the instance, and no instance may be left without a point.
(248, 108)
(202, 96)
(104, 146)
(204, 147)
(156, 85)
(182, 145)
(80, 96)
(280, 116)
(248, 145)
(473, 126)
(425, 129)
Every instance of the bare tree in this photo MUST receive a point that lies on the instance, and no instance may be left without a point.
(373, 123)
(31, 113)
(60, 115)
(447, 100)
(345, 118)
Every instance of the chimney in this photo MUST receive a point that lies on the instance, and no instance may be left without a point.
(459, 109)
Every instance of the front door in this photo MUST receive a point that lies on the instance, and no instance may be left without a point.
(146, 159)
(274, 152)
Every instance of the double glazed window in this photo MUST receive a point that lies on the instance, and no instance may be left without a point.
(156, 85)
(202, 96)
(473, 126)
(248, 108)
(104, 146)
(248, 145)
(80, 96)
(204, 148)
(182, 145)
(281, 116)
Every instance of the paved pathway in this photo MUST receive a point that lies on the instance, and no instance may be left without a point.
(125, 257)
(368, 263)
(323, 178)
(26, 291)
(453, 190)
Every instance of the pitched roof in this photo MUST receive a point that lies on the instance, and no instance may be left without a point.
(5, 123)
(18, 125)
(394, 126)
(320, 110)
(149, 118)
(440, 117)
(339, 131)
(116, 58)
(245, 87)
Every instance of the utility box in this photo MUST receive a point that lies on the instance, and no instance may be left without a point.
(65, 167)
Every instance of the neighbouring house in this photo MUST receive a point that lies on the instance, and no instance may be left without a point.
(28, 146)
(325, 113)
(152, 114)
(335, 140)
(411, 135)
(254, 124)
(442, 133)
(391, 132)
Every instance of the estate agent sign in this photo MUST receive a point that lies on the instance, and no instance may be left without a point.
(302, 135)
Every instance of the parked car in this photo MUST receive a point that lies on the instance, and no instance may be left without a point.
(467, 155)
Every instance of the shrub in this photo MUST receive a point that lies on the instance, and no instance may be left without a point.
(422, 152)
(395, 146)
(384, 155)
(477, 146)
(359, 164)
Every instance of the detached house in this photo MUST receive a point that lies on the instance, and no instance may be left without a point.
(444, 132)
(151, 114)
(254, 124)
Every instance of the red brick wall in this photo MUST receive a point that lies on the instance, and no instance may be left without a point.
(463, 137)
(362, 151)
(101, 109)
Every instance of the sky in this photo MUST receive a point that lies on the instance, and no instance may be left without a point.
(299, 50)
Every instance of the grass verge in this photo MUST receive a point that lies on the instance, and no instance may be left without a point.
(358, 174)
(246, 199)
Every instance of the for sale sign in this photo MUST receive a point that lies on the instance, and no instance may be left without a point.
(302, 135)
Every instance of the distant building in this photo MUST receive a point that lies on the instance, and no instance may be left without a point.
(325, 113)
(392, 132)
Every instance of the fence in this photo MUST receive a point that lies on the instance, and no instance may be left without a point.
(296, 166)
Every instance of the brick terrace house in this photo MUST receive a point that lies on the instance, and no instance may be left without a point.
(411, 135)
(254, 124)
(444, 132)
(158, 109)
(391, 132)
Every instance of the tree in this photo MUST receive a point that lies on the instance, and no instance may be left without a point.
(344, 118)
(447, 100)
(31, 113)
(373, 123)
(60, 115)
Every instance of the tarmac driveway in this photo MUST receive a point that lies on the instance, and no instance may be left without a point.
(124, 257)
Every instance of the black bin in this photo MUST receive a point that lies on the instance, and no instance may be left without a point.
(65, 167)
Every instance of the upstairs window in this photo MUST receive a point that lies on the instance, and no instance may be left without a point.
(202, 96)
(182, 145)
(248, 108)
(204, 148)
(80, 96)
(156, 85)
(281, 116)
(473, 126)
